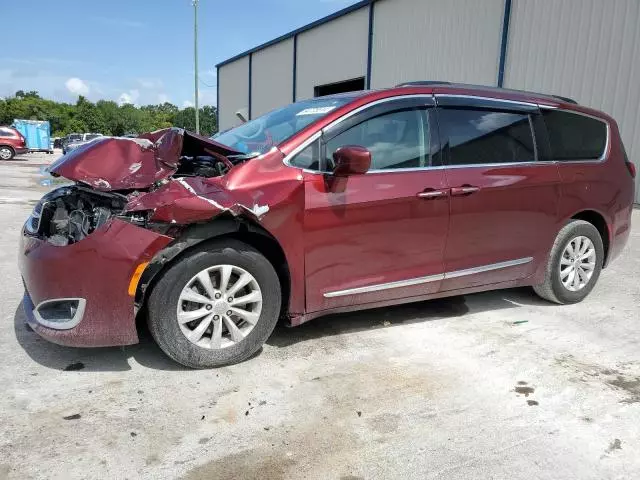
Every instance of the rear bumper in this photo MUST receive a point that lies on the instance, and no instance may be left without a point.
(20, 151)
(95, 273)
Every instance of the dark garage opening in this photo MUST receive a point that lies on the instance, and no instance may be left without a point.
(352, 85)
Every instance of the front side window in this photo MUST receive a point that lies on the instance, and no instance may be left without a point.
(575, 137)
(484, 137)
(396, 140)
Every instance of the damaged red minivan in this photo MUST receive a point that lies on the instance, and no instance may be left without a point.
(333, 204)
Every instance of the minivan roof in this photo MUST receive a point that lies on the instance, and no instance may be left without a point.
(439, 86)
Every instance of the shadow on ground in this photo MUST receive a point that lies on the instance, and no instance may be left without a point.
(390, 317)
(148, 354)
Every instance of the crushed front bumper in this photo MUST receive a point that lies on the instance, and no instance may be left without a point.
(93, 275)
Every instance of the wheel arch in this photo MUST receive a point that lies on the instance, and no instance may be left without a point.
(598, 220)
(225, 226)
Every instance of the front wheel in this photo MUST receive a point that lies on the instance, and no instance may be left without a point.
(216, 306)
(574, 264)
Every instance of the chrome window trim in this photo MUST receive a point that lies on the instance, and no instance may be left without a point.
(319, 133)
(429, 278)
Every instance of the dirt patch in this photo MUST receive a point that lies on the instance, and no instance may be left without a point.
(629, 385)
(616, 444)
(248, 465)
(523, 390)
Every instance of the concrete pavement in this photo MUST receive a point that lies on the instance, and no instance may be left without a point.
(493, 385)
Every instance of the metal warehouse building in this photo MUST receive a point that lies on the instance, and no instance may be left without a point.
(588, 50)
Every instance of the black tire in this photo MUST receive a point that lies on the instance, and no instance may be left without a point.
(12, 153)
(163, 302)
(552, 288)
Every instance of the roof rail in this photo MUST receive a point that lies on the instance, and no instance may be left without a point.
(423, 83)
(565, 99)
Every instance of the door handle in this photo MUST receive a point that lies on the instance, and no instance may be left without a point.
(433, 194)
(464, 190)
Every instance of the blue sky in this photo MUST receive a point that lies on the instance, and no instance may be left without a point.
(136, 51)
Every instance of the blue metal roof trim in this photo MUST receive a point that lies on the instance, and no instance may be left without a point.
(309, 26)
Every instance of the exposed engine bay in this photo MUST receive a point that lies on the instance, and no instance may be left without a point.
(160, 178)
(68, 214)
(201, 166)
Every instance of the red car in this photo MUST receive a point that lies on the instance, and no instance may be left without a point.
(333, 204)
(12, 143)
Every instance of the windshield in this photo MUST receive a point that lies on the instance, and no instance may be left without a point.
(259, 135)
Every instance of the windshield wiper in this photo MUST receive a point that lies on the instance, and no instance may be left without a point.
(242, 157)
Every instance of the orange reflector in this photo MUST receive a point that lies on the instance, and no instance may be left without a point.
(135, 278)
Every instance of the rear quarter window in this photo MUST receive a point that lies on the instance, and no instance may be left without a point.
(575, 137)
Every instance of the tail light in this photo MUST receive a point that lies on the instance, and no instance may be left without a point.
(630, 166)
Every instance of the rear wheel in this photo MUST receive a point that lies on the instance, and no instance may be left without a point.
(574, 264)
(6, 153)
(216, 306)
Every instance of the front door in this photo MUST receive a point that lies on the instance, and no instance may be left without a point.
(378, 236)
(503, 196)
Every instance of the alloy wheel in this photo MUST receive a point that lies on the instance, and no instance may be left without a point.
(219, 306)
(577, 263)
(5, 153)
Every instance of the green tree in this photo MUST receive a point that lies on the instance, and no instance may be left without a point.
(104, 116)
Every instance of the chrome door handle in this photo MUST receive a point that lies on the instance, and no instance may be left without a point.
(464, 190)
(433, 194)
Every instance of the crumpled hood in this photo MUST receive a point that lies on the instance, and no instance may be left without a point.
(115, 163)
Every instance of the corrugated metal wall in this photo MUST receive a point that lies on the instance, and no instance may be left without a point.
(585, 49)
(456, 40)
(233, 84)
(332, 52)
(271, 77)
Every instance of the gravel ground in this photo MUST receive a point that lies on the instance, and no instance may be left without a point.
(493, 385)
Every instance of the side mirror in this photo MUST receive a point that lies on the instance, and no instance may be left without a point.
(351, 160)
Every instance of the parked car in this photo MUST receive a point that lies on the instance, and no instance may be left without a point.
(72, 137)
(333, 204)
(86, 138)
(12, 143)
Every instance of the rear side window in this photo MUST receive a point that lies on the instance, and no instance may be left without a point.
(5, 132)
(484, 136)
(575, 137)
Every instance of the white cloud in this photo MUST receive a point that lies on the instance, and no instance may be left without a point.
(129, 97)
(187, 103)
(150, 83)
(77, 86)
(163, 98)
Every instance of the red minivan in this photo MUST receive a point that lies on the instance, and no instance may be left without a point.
(333, 204)
(12, 143)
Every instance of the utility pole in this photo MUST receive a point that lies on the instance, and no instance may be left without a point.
(195, 61)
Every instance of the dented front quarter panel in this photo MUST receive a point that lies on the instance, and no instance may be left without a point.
(261, 190)
(97, 269)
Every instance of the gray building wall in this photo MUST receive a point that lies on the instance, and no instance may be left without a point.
(332, 52)
(456, 40)
(271, 77)
(588, 50)
(233, 85)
